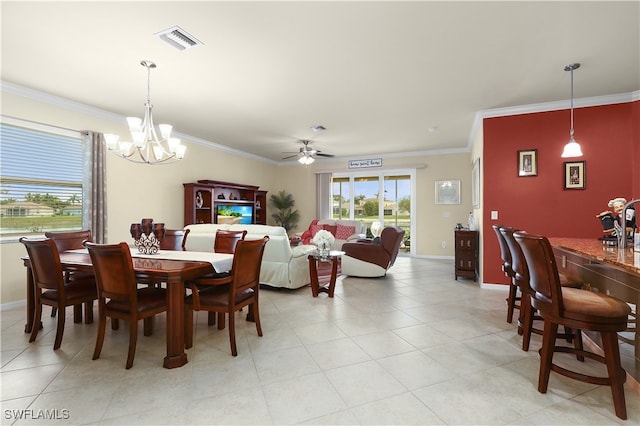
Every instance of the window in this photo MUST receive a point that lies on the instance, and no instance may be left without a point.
(341, 208)
(41, 173)
(385, 197)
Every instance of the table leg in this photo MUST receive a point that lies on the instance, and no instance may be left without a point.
(313, 272)
(176, 357)
(334, 276)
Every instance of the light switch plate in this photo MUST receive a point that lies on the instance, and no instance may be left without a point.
(494, 214)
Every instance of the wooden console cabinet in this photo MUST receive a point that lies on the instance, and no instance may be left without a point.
(203, 200)
(466, 254)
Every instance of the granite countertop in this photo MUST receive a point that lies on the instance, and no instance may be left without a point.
(595, 249)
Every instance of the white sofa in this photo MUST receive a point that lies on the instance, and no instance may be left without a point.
(282, 265)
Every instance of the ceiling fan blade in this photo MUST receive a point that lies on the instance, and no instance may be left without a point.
(291, 156)
(324, 155)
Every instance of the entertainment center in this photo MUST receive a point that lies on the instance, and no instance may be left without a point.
(210, 201)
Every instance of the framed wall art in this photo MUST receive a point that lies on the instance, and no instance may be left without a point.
(447, 192)
(528, 162)
(574, 175)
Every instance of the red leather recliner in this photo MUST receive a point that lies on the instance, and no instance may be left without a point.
(374, 258)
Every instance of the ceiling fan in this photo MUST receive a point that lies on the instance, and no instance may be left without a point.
(306, 155)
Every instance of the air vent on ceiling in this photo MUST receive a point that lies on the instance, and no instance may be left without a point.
(178, 38)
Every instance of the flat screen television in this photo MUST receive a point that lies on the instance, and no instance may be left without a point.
(234, 214)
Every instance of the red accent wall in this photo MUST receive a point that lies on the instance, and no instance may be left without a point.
(610, 140)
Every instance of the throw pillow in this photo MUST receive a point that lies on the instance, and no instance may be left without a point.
(307, 234)
(315, 229)
(343, 232)
(331, 228)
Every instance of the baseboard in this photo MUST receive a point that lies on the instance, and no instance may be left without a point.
(13, 305)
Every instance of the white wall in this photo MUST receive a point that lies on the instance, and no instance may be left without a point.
(135, 191)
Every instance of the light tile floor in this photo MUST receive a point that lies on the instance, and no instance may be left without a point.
(415, 347)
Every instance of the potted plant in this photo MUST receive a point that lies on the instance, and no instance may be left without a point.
(285, 215)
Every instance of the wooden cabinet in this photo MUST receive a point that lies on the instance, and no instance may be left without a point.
(261, 207)
(208, 201)
(198, 204)
(466, 254)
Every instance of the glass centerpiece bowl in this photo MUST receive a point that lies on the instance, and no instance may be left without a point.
(323, 241)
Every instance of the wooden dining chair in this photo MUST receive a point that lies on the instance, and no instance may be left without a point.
(50, 287)
(229, 294)
(578, 309)
(73, 240)
(174, 239)
(226, 241)
(119, 296)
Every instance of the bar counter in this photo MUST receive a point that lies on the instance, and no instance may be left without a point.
(596, 250)
(605, 269)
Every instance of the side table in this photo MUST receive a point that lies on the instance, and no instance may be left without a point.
(314, 260)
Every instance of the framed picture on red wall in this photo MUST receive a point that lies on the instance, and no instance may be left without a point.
(574, 175)
(528, 162)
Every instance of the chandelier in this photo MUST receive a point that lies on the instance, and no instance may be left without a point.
(146, 146)
(572, 148)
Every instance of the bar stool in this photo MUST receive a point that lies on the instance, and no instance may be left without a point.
(578, 309)
(505, 254)
(527, 312)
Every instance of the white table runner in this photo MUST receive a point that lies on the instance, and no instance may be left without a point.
(221, 262)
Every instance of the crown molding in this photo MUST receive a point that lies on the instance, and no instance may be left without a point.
(619, 98)
(57, 101)
(47, 98)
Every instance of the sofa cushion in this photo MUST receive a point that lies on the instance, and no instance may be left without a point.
(331, 228)
(343, 232)
(357, 224)
(354, 228)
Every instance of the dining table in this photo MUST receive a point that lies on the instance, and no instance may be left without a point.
(170, 267)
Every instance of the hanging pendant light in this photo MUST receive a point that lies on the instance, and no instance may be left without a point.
(572, 148)
(146, 146)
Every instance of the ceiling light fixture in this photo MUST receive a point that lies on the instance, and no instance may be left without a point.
(318, 128)
(572, 148)
(305, 158)
(146, 146)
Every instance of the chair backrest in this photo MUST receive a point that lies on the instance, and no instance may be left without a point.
(113, 267)
(69, 240)
(544, 279)
(45, 264)
(174, 239)
(505, 252)
(519, 267)
(390, 240)
(226, 241)
(246, 265)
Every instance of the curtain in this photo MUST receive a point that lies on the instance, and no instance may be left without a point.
(94, 186)
(323, 194)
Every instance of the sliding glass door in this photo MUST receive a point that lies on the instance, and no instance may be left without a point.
(385, 197)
